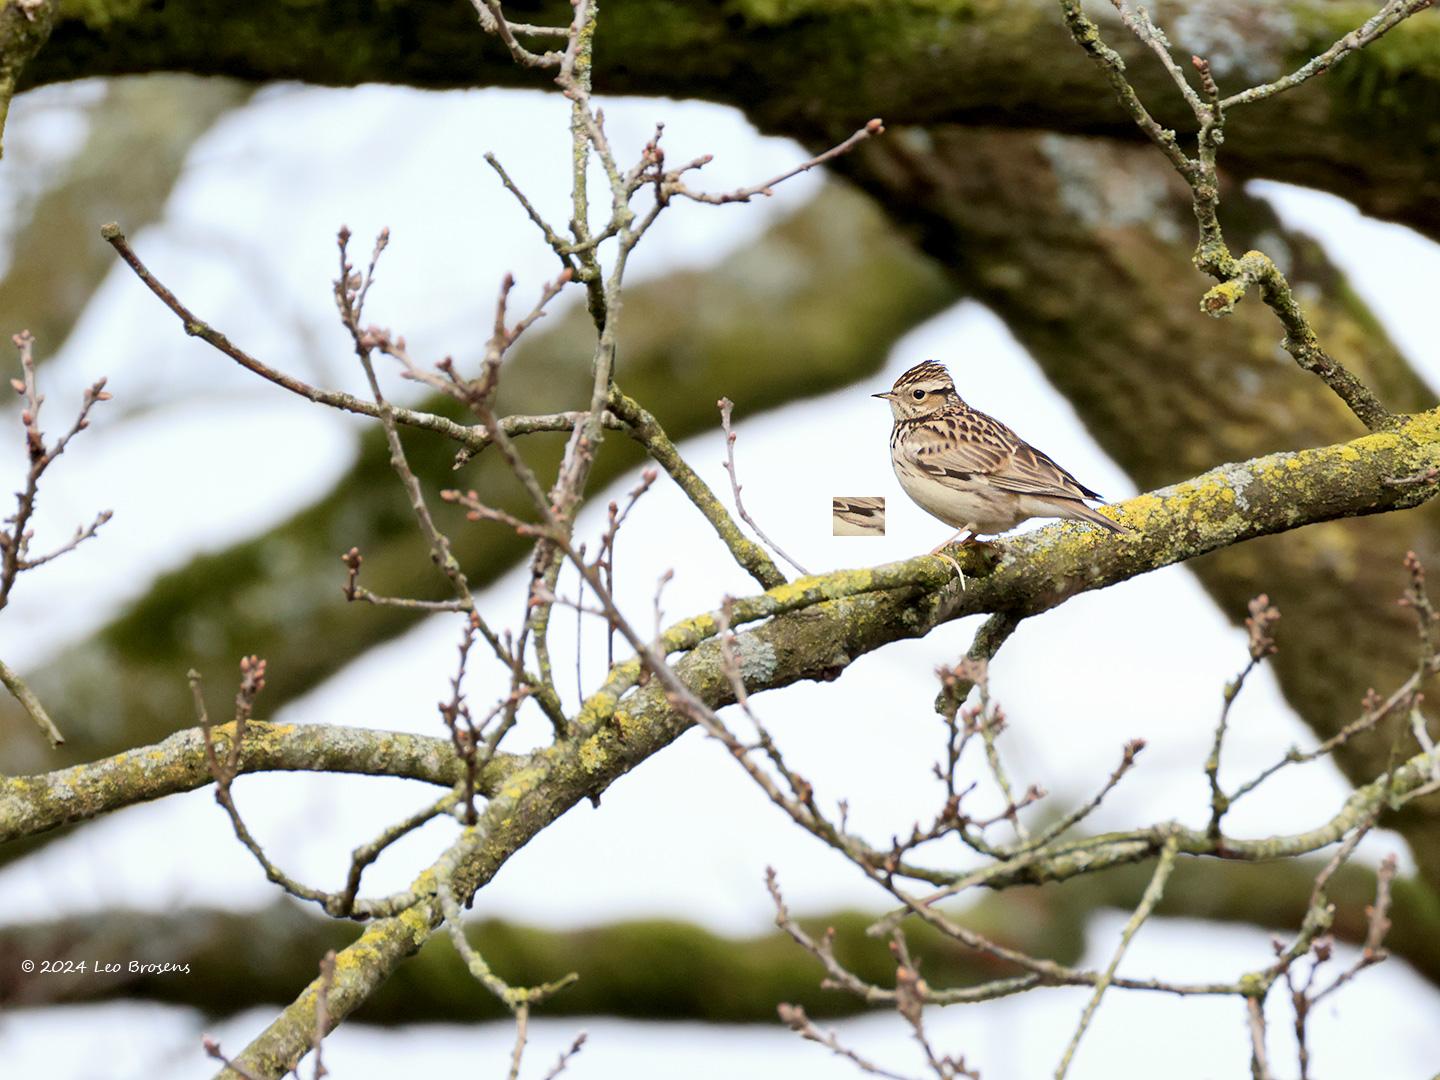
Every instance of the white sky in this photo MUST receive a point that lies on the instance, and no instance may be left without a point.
(686, 835)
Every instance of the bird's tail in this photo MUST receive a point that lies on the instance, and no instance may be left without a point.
(1080, 512)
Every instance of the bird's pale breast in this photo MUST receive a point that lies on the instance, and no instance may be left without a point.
(961, 503)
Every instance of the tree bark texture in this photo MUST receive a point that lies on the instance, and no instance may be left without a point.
(817, 69)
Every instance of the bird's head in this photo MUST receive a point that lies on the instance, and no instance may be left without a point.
(925, 390)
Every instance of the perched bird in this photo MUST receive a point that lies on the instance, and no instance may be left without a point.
(970, 470)
(857, 515)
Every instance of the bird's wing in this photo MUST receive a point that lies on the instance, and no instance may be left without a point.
(975, 445)
(859, 506)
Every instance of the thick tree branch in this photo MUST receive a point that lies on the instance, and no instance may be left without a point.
(30, 805)
(912, 61)
(25, 25)
(847, 617)
(1100, 291)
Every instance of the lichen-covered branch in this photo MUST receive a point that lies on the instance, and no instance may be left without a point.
(1359, 132)
(646, 430)
(25, 25)
(30, 805)
(1031, 573)
(1083, 249)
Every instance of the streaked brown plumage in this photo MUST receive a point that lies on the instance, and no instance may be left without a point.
(970, 470)
(857, 515)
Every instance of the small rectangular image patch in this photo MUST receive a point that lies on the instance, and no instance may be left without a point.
(857, 515)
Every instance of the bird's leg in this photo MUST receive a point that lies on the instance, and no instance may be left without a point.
(968, 531)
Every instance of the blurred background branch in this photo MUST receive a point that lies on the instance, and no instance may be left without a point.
(666, 969)
(817, 71)
(140, 134)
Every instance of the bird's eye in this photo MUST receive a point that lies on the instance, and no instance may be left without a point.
(918, 395)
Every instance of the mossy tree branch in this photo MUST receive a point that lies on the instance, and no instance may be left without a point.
(32, 805)
(817, 69)
(25, 26)
(1083, 248)
(821, 625)
(816, 627)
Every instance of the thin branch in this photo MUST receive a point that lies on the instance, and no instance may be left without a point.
(726, 405)
(1151, 897)
(31, 704)
(474, 438)
(566, 1056)
(767, 188)
(793, 1017)
(1140, 24)
(1065, 824)
(1259, 626)
(1300, 341)
(646, 430)
(212, 1050)
(1212, 255)
(1087, 36)
(493, 20)
(15, 538)
(322, 1011)
(1259, 1060)
(1382, 22)
(225, 769)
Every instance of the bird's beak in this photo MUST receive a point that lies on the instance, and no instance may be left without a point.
(887, 395)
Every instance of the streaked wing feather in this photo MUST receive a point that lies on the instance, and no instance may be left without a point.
(1033, 472)
(948, 447)
(961, 447)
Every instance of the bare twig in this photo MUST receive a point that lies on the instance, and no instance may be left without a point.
(30, 703)
(1259, 625)
(322, 1011)
(1382, 22)
(566, 1056)
(1142, 911)
(357, 593)
(474, 439)
(493, 20)
(726, 405)
(767, 188)
(793, 1017)
(212, 1050)
(1259, 1060)
(16, 534)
